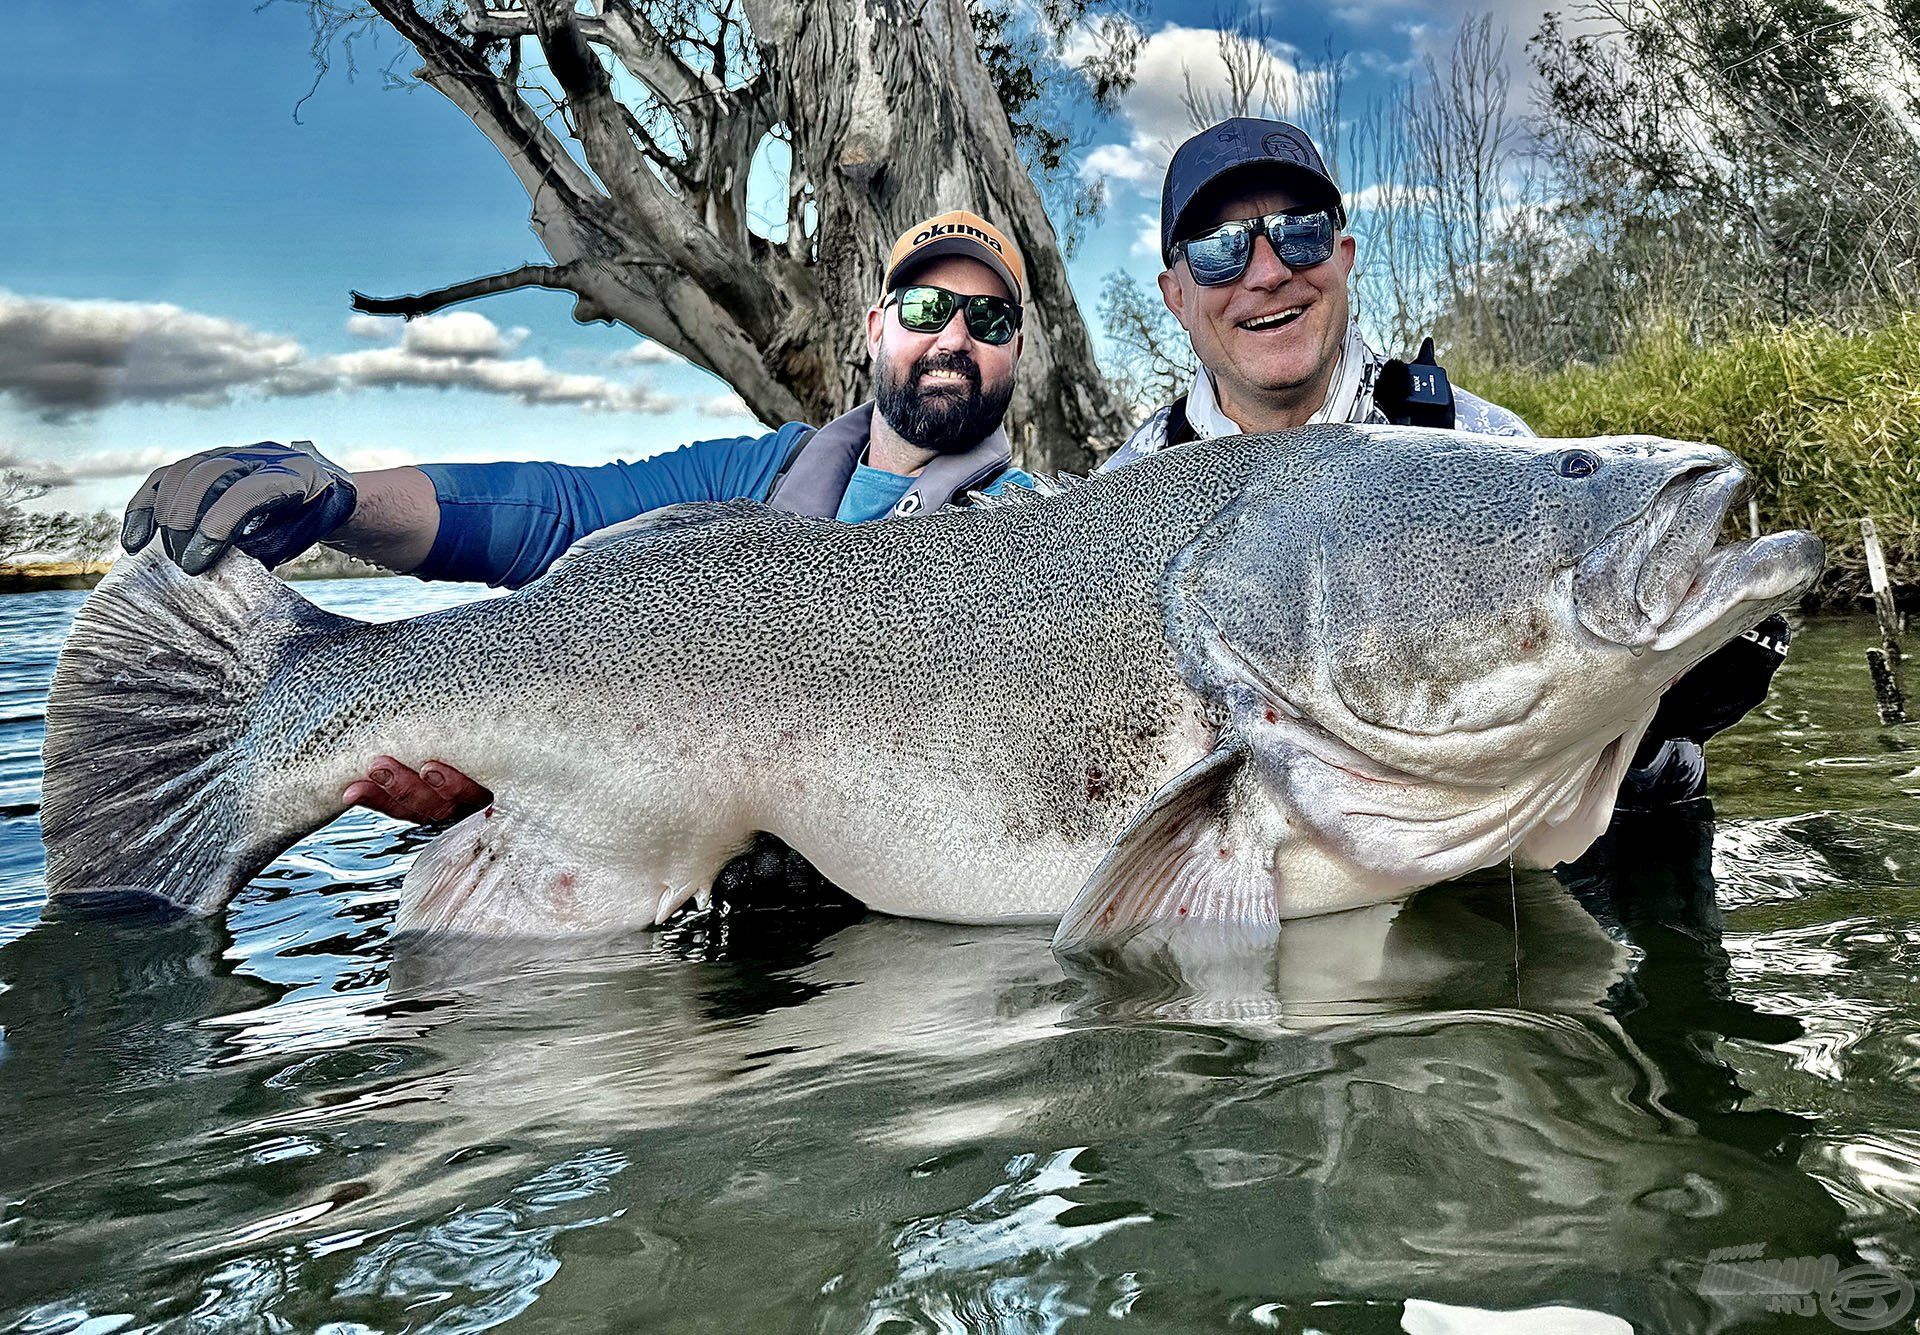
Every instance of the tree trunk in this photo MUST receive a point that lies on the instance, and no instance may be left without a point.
(891, 117)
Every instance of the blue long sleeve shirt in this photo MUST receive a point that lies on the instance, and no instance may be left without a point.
(507, 523)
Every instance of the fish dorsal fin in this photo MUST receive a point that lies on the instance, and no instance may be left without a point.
(1194, 856)
(667, 519)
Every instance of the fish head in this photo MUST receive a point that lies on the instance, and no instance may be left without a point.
(1451, 630)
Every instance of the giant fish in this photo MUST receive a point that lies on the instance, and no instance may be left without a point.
(1247, 680)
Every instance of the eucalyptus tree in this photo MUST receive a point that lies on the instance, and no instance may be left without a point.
(636, 126)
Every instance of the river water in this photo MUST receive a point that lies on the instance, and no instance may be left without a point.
(1705, 1060)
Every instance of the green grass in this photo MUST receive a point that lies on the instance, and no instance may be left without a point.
(1828, 421)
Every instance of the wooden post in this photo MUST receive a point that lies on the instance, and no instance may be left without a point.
(1884, 663)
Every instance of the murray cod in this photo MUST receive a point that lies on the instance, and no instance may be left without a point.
(1247, 680)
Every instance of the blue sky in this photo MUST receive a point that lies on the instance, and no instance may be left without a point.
(152, 158)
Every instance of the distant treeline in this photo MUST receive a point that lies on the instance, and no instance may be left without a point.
(79, 539)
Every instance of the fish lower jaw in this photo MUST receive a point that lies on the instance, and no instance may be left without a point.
(1752, 578)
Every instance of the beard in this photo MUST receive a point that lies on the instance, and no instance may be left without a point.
(947, 418)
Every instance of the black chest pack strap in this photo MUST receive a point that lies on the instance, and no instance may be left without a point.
(1415, 393)
(819, 465)
(1179, 429)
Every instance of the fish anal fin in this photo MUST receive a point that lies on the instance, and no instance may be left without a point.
(497, 873)
(1197, 856)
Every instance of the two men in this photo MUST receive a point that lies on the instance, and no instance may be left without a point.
(1252, 230)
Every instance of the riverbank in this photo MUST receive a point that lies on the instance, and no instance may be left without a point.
(32, 577)
(41, 576)
(1829, 422)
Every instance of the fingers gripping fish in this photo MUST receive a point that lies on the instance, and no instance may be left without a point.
(1241, 681)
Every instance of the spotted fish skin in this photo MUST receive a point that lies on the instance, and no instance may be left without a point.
(952, 716)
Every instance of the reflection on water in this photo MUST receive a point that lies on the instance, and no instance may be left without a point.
(776, 1120)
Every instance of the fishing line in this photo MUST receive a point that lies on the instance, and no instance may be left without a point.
(1513, 890)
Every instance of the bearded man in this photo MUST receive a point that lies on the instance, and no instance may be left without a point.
(944, 337)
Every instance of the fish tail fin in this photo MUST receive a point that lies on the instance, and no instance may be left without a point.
(149, 785)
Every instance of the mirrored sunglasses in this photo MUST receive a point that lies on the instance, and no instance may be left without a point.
(926, 310)
(1301, 240)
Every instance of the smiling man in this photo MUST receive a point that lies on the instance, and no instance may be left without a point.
(1252, 234)
(944, 338)
(1252, 231)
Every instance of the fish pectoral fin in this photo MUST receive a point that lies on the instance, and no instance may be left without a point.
(1201, 852)
(501, 873)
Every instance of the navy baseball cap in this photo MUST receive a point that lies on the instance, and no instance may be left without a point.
(1250, 148)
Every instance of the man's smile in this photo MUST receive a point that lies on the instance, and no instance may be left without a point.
(1277, 320)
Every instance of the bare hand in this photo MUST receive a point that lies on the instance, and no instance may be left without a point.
(435, 793)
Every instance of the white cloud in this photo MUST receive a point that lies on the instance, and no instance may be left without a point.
(62, 358)
(57, 473)
(373, 328)
(1146, 244)
(1118, 162)
(1375, 196)
(725, 405)
(528, 379)
(459, 334)
(648, 353)
(1177, 63)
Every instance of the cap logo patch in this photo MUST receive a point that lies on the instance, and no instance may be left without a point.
(927, 234)
(1278, 145)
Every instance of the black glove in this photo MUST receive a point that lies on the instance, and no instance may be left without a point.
(1670, 767)
(271, 501)
(1724, 685)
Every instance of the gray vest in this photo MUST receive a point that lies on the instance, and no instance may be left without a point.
(814, 479)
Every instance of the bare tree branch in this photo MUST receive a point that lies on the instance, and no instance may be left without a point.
(559, 277)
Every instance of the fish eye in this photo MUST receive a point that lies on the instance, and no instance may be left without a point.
(1579, 463)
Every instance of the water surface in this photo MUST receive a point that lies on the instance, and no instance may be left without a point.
(813, 1120)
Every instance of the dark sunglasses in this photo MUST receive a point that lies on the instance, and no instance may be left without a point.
(926, 310)
(1301, 240)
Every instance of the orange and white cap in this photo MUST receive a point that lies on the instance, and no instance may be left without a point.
(957, 233)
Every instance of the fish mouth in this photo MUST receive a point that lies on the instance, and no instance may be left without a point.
(1666, 578)
(1773, 570)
